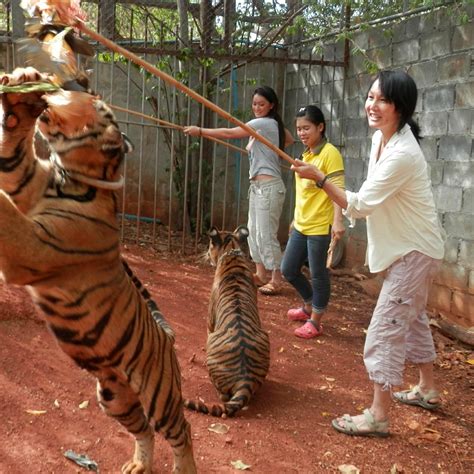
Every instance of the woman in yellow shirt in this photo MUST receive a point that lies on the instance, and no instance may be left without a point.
(316, 219)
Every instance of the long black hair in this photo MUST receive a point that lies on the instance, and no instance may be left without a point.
(313, 114)
(400, 89)
(274, 113)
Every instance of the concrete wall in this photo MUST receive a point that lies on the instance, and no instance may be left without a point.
(438, 52)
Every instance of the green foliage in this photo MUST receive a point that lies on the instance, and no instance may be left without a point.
(151, 24)
(370, 66)
(185, 54)
(206, 62)
(109, 57)
(323, 17)
(4, 20)
(92, 11)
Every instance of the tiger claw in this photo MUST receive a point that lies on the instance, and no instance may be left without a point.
(133, 467)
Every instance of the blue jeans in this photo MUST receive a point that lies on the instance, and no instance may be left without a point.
(313, 248)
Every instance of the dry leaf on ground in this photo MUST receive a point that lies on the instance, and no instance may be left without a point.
(348, 469)
(240, 465)
(36, 412)
(219, 428)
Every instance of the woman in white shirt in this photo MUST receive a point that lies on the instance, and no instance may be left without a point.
(404, 239)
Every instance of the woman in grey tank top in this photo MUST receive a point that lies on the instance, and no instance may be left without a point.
(267, 190)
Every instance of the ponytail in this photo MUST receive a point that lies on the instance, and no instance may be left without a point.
(281, 131)
(415, 128)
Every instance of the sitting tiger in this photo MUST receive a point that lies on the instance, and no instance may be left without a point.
(59, 237)
(238, 349)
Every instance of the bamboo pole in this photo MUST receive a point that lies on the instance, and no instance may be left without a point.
(175, 126)
(79, 24)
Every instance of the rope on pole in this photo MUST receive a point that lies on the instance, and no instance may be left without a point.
(80, 25)
(174, 126)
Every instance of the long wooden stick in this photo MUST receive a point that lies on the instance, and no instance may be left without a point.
(79, 24)
(174, 125)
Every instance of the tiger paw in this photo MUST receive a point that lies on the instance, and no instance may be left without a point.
(133, 467)
(18, 90)
(26, 85)
(21, 75)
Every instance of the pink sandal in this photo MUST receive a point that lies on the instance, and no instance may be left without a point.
(309, 330)
(298, 314)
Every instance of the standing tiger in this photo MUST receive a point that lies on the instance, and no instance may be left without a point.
(238, 349)
(59, 237)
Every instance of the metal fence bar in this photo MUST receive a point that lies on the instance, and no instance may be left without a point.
(332, 97)
(125, 164)
(226, 167)
(156, 162)
(172, 160)
(198, 223)
(214, 153)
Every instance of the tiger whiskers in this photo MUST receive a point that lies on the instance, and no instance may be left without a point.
(97, 183)
(204, 257)
(82, 178)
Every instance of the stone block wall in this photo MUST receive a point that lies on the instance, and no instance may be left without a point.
(438, 53)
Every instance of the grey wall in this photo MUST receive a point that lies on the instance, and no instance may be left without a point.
(438, 52)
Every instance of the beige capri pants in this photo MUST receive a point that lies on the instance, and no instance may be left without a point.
(399, 329)
(266, 200)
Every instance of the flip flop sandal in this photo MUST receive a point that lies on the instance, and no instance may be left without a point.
(420, 399)
(377, 429)
(270, 289)
(309, 330)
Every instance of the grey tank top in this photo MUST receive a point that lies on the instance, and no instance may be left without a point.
(262, 159)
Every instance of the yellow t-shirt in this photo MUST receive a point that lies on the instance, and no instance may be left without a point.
(314, 210)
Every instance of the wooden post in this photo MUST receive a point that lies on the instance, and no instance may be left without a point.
(107, 18)
(18, 20)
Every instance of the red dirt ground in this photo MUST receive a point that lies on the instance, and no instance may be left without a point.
(286, 428)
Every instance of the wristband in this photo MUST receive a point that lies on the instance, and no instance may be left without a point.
(320, 184)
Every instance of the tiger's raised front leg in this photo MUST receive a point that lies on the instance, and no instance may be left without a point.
(15, 243)
(119, 402)
(25, 255)
(22, 176)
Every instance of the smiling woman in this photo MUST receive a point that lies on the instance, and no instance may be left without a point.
(404, 238)
(381, 114)
(267, 190)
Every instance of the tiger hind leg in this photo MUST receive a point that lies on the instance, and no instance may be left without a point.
(119, 402)
(183, 454)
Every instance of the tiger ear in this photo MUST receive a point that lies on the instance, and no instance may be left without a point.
(215, 235)
(242, 233)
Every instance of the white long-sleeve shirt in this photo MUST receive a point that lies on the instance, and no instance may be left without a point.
(397, 201)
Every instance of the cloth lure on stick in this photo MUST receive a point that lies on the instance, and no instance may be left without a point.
(51, 49)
